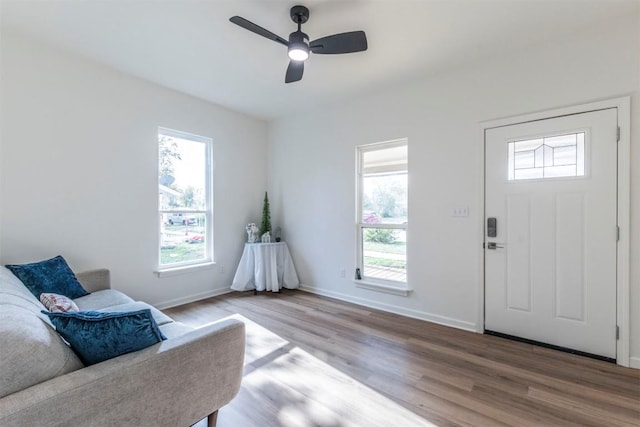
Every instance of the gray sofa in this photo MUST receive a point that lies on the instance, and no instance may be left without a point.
(176, 382)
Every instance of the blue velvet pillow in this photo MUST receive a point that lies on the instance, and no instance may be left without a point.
(52, 276)
(96, 336)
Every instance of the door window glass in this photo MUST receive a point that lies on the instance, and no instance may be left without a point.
(548, 157)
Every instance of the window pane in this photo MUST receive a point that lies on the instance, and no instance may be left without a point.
(383, 202)
(182, 171)
(182, 237)
(183, 201)
(559, 171)
(532, 173)
(580, 154)
(384, 254)
(525, 159)
(561, 141)
(384, 198)
(564, 156)
(528, 145)
(549, 157)
(511, 161)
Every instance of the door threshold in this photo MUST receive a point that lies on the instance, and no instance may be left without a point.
(551, 346)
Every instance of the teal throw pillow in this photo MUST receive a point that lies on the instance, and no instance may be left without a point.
(97, 336)
(52, 276)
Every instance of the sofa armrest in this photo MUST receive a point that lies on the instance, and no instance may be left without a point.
(174, 383)
(95, 280)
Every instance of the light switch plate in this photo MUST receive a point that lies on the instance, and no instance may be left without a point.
(460, 211)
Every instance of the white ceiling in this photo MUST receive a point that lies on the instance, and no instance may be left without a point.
(191, 46)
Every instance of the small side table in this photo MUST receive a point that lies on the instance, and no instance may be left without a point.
(265, 266)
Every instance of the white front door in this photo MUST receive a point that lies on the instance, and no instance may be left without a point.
(551, 232)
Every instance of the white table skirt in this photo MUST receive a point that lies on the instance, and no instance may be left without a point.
(265, 266)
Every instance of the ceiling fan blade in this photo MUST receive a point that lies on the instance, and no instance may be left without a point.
(354, 41)
(248, 25)
(294, 71)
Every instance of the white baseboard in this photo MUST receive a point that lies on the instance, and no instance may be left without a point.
(416, 314)
(191, 298)
(634, 362)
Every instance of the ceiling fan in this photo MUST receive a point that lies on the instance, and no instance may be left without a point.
(299, 46)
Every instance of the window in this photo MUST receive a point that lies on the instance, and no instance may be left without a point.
(184, 199)
(548, 157)
(382, 214)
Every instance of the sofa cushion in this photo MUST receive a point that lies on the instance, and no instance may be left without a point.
(31, 351)
(49, 276)
(101, 299)
(97, 336)
(158, 316)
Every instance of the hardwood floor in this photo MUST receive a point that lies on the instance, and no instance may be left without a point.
(315, 361)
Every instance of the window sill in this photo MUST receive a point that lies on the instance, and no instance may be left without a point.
(174, 271)
(380, 287)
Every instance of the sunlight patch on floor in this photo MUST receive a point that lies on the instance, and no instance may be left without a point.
(306, 391)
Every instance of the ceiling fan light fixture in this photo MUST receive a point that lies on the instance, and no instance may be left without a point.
(298, 52)
(298, 47)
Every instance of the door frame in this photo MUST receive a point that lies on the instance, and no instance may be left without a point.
(623, 105)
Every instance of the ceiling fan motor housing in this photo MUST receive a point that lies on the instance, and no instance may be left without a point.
(298, 37)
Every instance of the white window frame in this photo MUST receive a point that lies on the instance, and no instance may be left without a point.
(372, 283)
(208, 261)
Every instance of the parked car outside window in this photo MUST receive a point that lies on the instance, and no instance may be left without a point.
(180, 218)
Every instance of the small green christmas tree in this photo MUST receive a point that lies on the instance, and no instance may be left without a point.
(266, 216)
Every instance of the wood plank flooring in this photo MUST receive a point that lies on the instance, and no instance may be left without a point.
(315, 361)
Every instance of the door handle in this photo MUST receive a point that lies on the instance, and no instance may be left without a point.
(493, 245)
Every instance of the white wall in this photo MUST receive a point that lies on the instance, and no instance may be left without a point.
(312, 172)
(78, 170)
